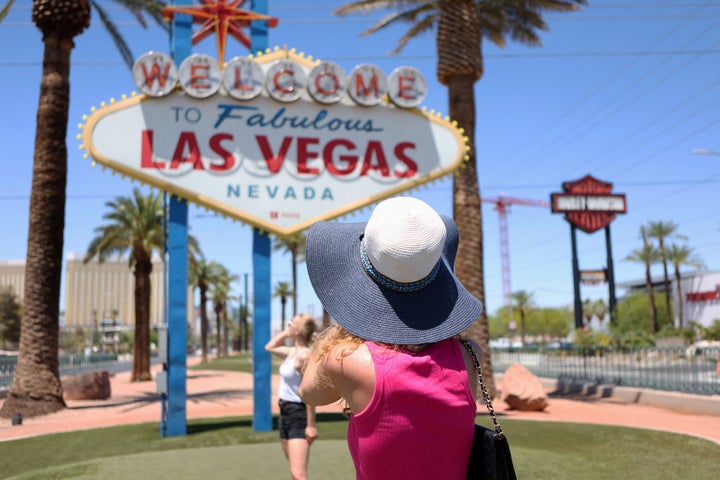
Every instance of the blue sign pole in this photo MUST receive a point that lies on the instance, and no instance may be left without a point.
(262, 372)
(262, 365)
(177, 249)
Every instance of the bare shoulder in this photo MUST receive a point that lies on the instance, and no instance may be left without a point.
(349, 361)
(353, 373)
(345, 372)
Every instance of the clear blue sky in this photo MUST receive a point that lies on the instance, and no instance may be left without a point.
(623, 91)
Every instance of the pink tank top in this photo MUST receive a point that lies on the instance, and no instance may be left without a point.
(420, 420)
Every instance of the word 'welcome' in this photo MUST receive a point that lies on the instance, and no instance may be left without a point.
(284, 80)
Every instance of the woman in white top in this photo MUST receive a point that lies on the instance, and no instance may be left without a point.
(297, 420)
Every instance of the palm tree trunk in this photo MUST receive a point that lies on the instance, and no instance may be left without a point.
(203, 325)
(681, 319)
(467, 213)
(294, 280)
(226, 330)
(141, 348)
(218, 331)
(666, 279)
(459, 67)
(36, 387)
(651, 301)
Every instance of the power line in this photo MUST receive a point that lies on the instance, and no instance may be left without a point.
(597, 117)
(505, 187)
(101, 63)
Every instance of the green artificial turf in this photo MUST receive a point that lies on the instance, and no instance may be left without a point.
(239, 362)
(228, 448)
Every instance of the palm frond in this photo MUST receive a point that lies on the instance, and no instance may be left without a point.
(138, 9)
(365, 6)
(555, 5)
(406, 16)
(132, 222)
(117, 38)
(6, 9)
(492, 19)
(416, 30)
(525, 35)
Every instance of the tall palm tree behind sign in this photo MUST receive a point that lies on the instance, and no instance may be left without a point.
(461, 26)
(524, 303)
(680, 255)
(220, 292)
(282, 291)
(135, 225)
(296, 247)
(647, 255)
(203, 274)
(661, 231)
(36, 387)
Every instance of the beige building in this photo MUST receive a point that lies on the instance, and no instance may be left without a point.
(94, 292)
(12, 274)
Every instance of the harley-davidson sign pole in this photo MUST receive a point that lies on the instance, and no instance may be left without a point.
(589, 205)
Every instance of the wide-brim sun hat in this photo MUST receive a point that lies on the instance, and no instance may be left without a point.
(391, 279)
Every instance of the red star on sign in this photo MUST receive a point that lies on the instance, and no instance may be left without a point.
(222, 17)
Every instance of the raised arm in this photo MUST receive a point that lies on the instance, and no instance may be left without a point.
(276, 345)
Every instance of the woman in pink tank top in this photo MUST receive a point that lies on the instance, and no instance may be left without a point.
(393, 357)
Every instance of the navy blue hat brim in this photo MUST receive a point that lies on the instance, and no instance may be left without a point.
(371, 311)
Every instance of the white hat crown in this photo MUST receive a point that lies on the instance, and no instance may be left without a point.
(404, 239)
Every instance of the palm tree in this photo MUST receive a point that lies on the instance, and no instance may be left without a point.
(596, 308)
(203, 274)
(461, 27)
(600, 309)
(36, 387)
(661, 231)
(295, 246)
(523, 302)
(282, 291)
(220, 292)
(244, 342)
(588, 313)
(138, 9)
(680, 255)
(647, 255)
(135, 225)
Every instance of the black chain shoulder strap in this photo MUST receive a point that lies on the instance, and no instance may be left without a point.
(486, 396)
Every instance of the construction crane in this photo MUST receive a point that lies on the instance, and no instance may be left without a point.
(502, 206)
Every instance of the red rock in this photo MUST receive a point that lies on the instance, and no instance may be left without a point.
(87, 386)
(522, 390)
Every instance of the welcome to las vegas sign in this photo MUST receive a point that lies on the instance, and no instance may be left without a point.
(278, 141)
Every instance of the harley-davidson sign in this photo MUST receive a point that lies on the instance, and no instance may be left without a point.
(588, 203)
(278, 141)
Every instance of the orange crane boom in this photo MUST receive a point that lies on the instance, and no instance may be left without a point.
(502, 206)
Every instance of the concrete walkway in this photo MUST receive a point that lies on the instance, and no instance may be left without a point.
(222, 394)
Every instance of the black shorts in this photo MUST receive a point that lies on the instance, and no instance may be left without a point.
(293, 419)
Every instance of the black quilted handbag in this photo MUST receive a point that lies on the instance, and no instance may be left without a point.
(490, 458)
